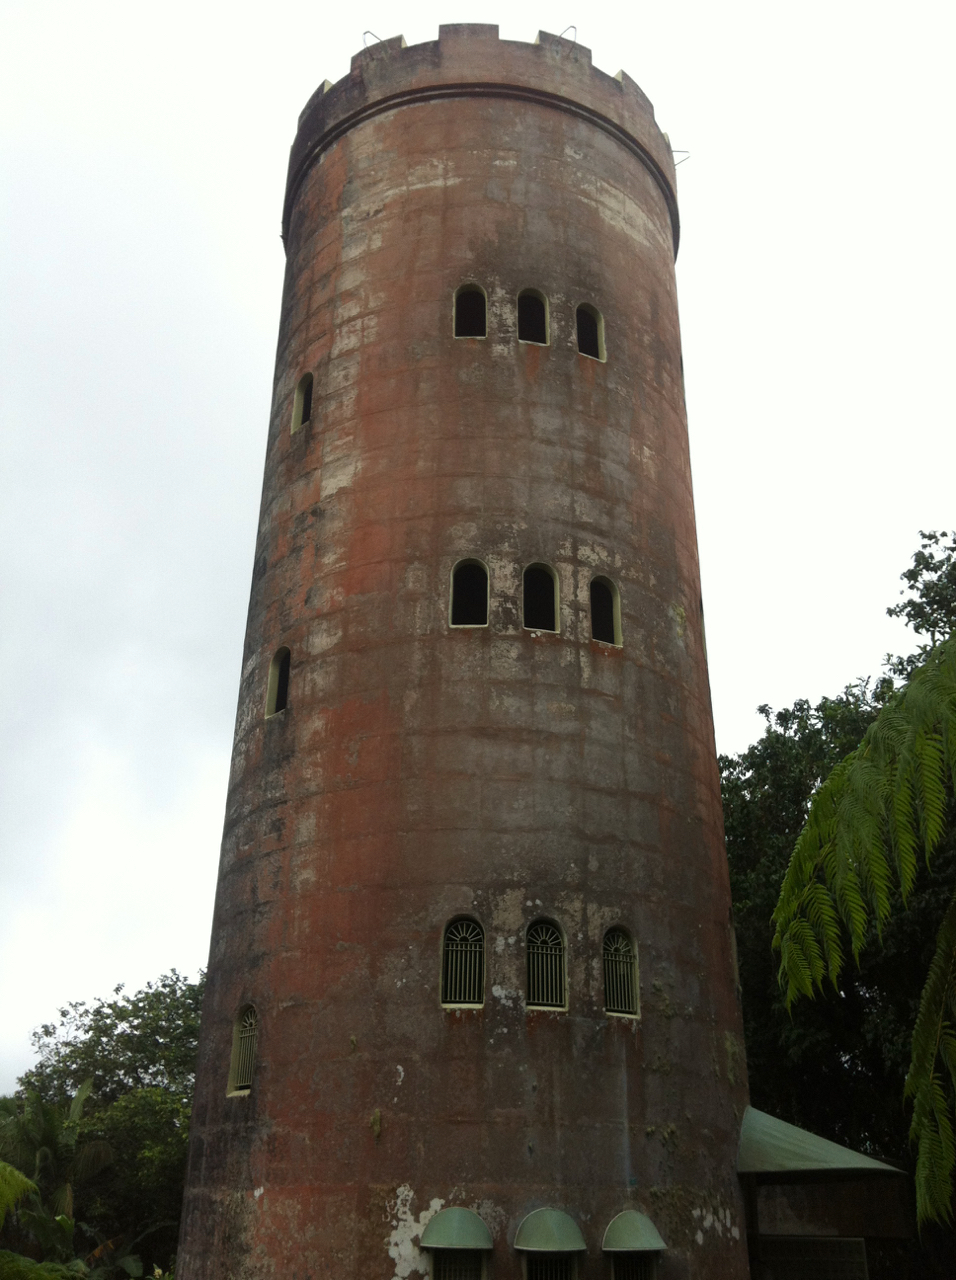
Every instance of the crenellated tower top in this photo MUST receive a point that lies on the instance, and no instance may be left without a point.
(468, 60)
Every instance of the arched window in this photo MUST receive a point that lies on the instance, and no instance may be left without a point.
(242, 1067)
(277, 693)
(546, 983)
(605, 612)
(470, 312)
(469, 594)
(463, 963)
(540, 598)
(590, 332)
(620, 974)
(532, 317)
(302, 404)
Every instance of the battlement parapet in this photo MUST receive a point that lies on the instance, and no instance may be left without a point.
(469, 60)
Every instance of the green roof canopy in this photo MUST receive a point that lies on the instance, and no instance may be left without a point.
(549, 1231)
(632, 1232)
(768, 1145)
(456, 1229)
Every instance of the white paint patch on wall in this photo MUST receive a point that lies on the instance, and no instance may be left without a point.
(718, 1220)
(406, 1229)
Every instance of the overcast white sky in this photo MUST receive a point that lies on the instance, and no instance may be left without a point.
(143, 150)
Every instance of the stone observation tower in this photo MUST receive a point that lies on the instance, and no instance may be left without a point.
(471, 1006)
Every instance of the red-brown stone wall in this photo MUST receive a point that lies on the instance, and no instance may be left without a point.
(420, 771)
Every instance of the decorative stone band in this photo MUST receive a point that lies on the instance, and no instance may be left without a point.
(443, 92)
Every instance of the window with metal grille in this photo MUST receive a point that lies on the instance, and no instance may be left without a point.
(620, 973)
(540, 598)
(463, 963)
(550, 1266)
(635, 1266)
(277, 693)
(823, 1257)
(456, 1264)
(532, 317)
(244, 1036)
(546, 985)
(605, 611)
(469, 594)
(590, 324)
(302, 404)
(470, 312)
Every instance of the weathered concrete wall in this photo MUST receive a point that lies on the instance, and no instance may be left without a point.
(420, 772)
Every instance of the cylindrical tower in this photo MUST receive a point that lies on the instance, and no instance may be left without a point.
(472, 946)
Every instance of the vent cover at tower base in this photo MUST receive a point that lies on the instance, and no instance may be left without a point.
(550, 1266)
(635, 1266)
(809, 1258)
(457, 1264)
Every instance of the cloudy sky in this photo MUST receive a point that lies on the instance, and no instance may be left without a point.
(143, 150)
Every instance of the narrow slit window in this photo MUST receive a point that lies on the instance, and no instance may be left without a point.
(546, 982)
(550, 1266)
(469, 594)
(605, 612)
(244, 1037)
(457, 1264)
(471, 319)
(463, 964)
(635, 1266)
(620, 974)
(277, 694)
(540, 598)
(533, 317)
(302, 404)
(590, 332)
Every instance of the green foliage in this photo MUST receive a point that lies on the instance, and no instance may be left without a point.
(138, 1041)
(42, 1140)
(13, 1187)
(836, 1065)
(876, 820)
(931, 611)
(139, 1054)
(14, 1266)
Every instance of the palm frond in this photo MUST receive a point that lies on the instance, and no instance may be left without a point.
(14, 1185)
(857, 857)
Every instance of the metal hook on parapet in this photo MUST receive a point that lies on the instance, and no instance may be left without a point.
(573, 28)
(374, 36)
(685, 154)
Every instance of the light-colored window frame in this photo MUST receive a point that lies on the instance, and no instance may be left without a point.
(469, 286)
(307, 380)
(540, 564)
(242, 1064)
(618, 641)
(631, 964)
(272, 685)
(596, 315)
(534, 1004)
(465, 626)
(542, 297)
(462, 1004)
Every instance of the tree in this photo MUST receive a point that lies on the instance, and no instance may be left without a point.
(139, 1052)
(879, 829)
(137, 1041)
